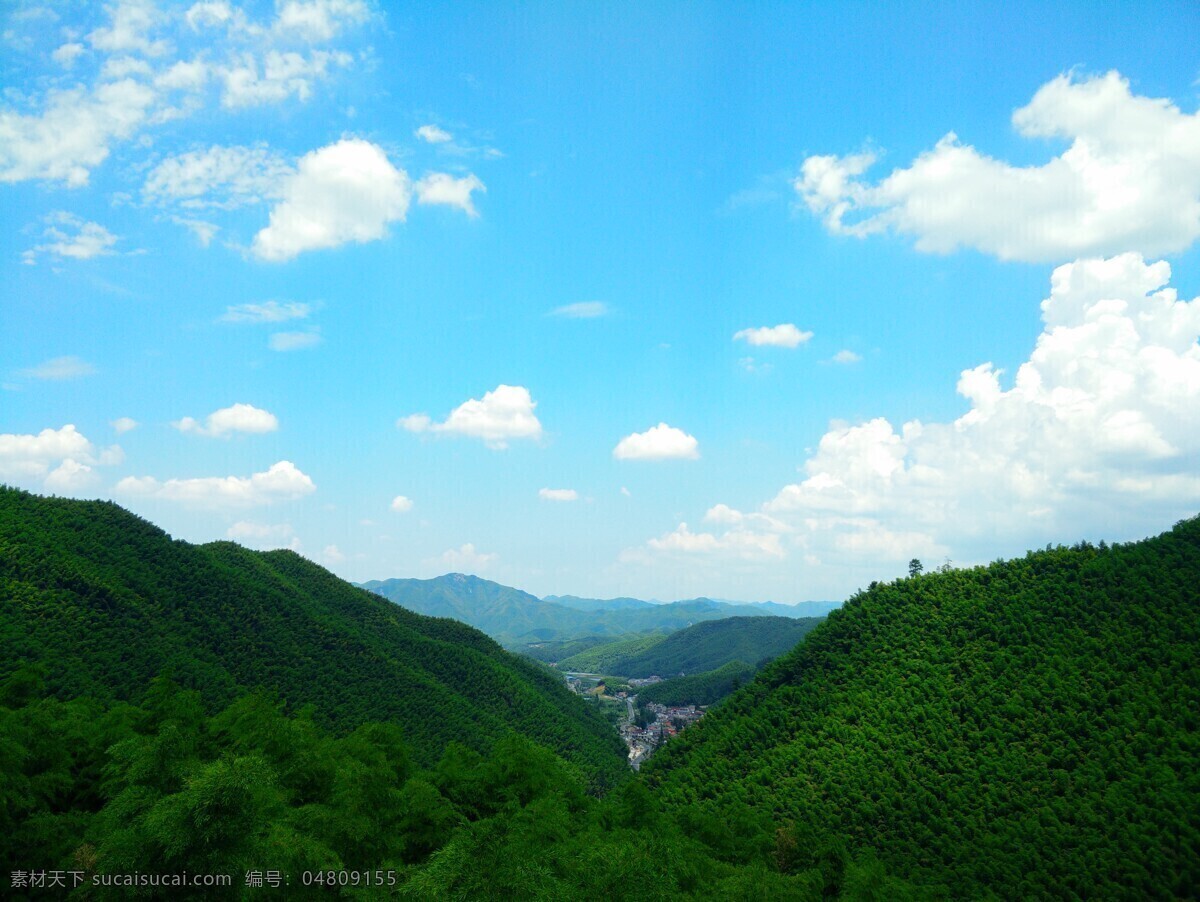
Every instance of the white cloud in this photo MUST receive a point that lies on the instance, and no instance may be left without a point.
(558, 494)
(661, 442)
(213, 14)
(443, 189)
(1097, 435)
(58, 369)
(63, 132)
(266, 312)
(204, 231)
(263, 536)
(1129, 181)
(70, 476)
(504, 414)
(283, 481)
(581, 310)
(121, 425)
(294, 341)
(348, 191)
(31, 455)
(185, 75)
(319, 20)
(431, 134)
(846, 356)
(332, 555)
(401, 504)
(223, 177)
(741, 544)
(66, 55)
(785, 335)
(466, 559)
(132, 22)
(281, 76)
(73, 238)
(63, 458)
(73, 133)
(228, 420)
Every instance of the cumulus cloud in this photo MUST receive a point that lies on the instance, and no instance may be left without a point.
(58, 369)
(401, 504)
(266, 312)
(466, 559)
(72, 238)
(121, 425)
(661, 442)
(282, 481)
(63, 132)
(558, 494)
(319, 20)
(581, 310)
(1129, 181)
(225, 422)
(1096, 435)
(846, 356)
(348, 191)
(741, 544)
(276, 76)
(222, 177)
(431, 134)
(129, 29)
(785, 335)
(502, 415)
(446, 190)
(263, 536)
(63, 459)
(294, 341)
(67, 53)
(73, 133)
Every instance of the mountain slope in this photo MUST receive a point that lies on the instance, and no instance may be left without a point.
(1028, 729)
(699, 648)
(107, 601)
(517, 618)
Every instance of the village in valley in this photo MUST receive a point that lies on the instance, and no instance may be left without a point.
(644, 728)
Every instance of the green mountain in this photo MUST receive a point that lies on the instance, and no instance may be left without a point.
(698, 688)
(1030, 729)
(106, 601)
(516, 618)
(609, 658)
(698, 648)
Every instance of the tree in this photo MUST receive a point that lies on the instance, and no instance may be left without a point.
(915, 567)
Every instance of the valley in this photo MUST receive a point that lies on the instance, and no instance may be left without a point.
(1040, 710)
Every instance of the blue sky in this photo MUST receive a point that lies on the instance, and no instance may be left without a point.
(279, 265)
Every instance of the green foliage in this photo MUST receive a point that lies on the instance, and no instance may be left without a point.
(699, 648)
(251, 788)
(102, 602)
(610, 657)
(1027, 729)
(699, 689)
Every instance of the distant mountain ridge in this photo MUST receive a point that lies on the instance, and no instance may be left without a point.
(702, 647)
(800, 609)
(514, 617)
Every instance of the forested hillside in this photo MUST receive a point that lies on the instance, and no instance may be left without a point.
(1029, 729)
(105, 602)
(698, 648)
(698, 688)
